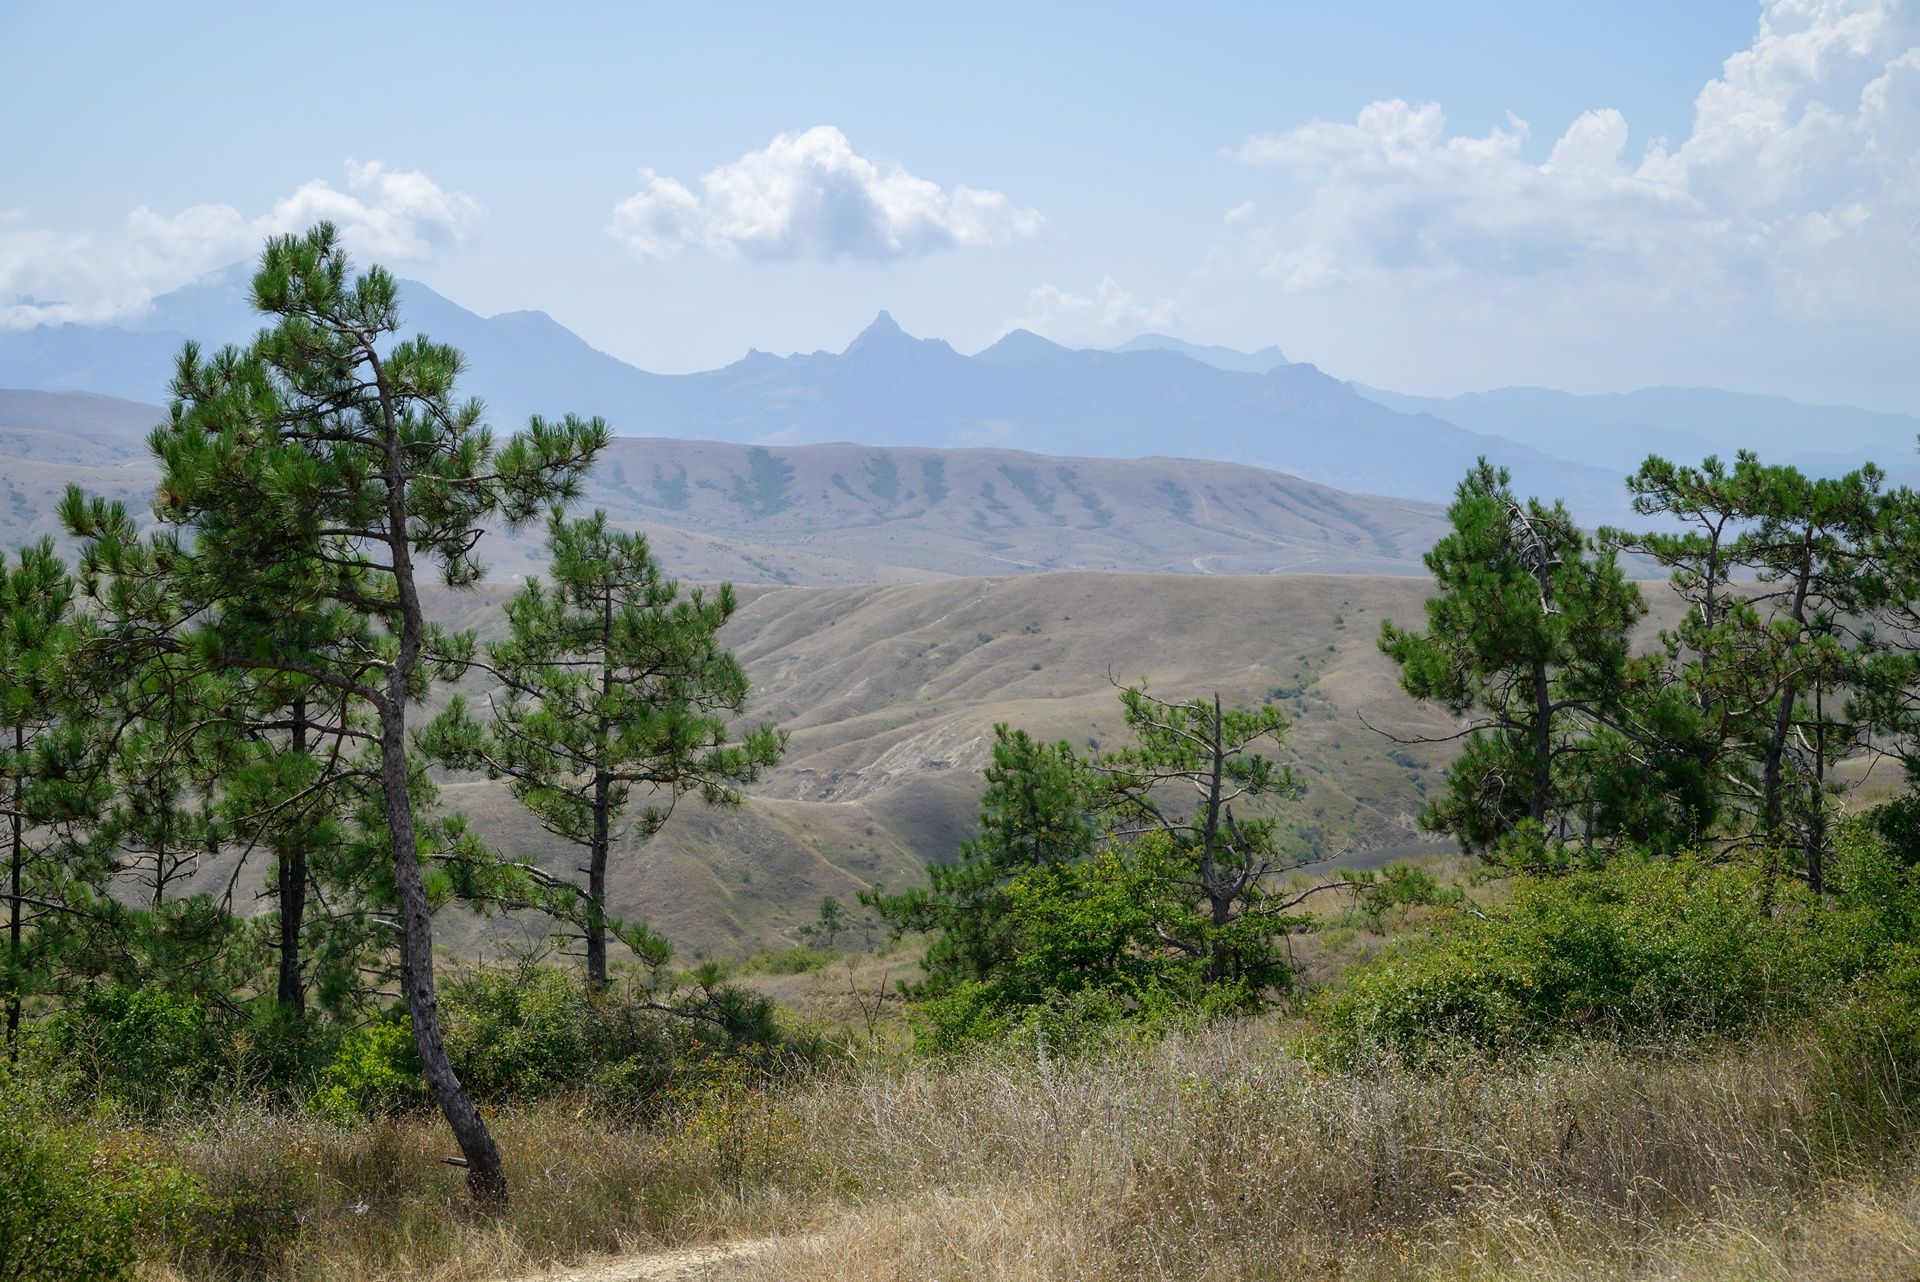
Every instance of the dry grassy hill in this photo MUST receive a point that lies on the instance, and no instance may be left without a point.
(834, 514)
(892, 692)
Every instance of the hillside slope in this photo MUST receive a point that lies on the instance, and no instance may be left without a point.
(892, 692)
(832, 514)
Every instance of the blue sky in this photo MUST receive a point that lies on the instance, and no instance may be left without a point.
(1352, 181)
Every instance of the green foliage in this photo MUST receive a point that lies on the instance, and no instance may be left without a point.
(1872, 1039)
(1130, 886)
(307, 481)
(1773, 672)
(616, 686)
(1529, 640)
(537, 1031)
(1399, 886)
(375, 1071)
(1033, 814)
(37, 629)
(74, 1207)
(146, 1047)
(1640, 951)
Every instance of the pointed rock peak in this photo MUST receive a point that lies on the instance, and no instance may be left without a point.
(883, 332)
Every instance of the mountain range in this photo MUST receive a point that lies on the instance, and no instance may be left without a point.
(1153, 396)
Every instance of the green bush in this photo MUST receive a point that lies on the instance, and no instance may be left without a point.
(1872, 1044)
(146, 1048)
(539, 1031)
(375, 1072)
(1634, 952)
(74, 1207)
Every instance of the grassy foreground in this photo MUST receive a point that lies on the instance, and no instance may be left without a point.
(1213, 1155)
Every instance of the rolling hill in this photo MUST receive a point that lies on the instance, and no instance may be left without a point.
(831, 514)
(892, 692)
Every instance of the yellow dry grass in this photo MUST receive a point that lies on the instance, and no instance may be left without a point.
(1212, 1156)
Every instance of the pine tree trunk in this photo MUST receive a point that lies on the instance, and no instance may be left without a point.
(1817, 818)
(597, 890)
(1542, 745)
(16, 861)
(486, 1178)
(293, 894)
(1773, 806)
(1219, 899)
(597, 854)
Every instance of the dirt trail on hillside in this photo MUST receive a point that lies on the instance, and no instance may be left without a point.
(685, 1264)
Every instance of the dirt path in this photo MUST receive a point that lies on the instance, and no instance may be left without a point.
(688, 1264)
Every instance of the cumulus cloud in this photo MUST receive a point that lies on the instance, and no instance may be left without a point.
(1239, 213)
(811, 195)
(1797, 188)
(1109, 312)
(51, 277)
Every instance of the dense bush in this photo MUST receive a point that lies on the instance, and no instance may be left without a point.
(375, 1072)
(1639, 951)
(518, 1035)
(150, 1049)
(72, 1206)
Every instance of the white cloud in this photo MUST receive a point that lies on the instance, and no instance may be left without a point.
(52, 277)
(1797, 190)
(1108, 313)
(1239, 213)
(812, 195)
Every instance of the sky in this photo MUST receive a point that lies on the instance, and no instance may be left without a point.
(1424, 197)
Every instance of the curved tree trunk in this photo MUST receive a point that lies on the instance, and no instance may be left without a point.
(486, 1177)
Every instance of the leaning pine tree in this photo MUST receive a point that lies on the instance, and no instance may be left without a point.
(315, 475)
(611, 682)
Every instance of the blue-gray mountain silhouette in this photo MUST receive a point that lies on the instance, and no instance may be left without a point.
(1153, 396)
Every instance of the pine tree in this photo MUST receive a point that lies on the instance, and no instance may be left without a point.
(1186, 779)
(1529, 641)
(1036, 813)
(36, 613)
(612, 681)
(1778, 576)
(314, 475)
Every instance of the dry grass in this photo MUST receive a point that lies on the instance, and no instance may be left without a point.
(1209, 1157)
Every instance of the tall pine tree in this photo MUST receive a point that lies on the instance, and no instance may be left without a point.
(1529, 641)
(318, 474)
(612, 681)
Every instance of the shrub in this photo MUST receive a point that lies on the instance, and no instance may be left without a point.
(1872, 1041)
(72, 1207)
(147, 1048)
(375, 1072)
(1635, 952)
(538, 1030)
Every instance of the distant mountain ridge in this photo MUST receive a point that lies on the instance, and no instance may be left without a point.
(1154, 395)
(886, 388)
(1212, 354)
(1619, 429)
